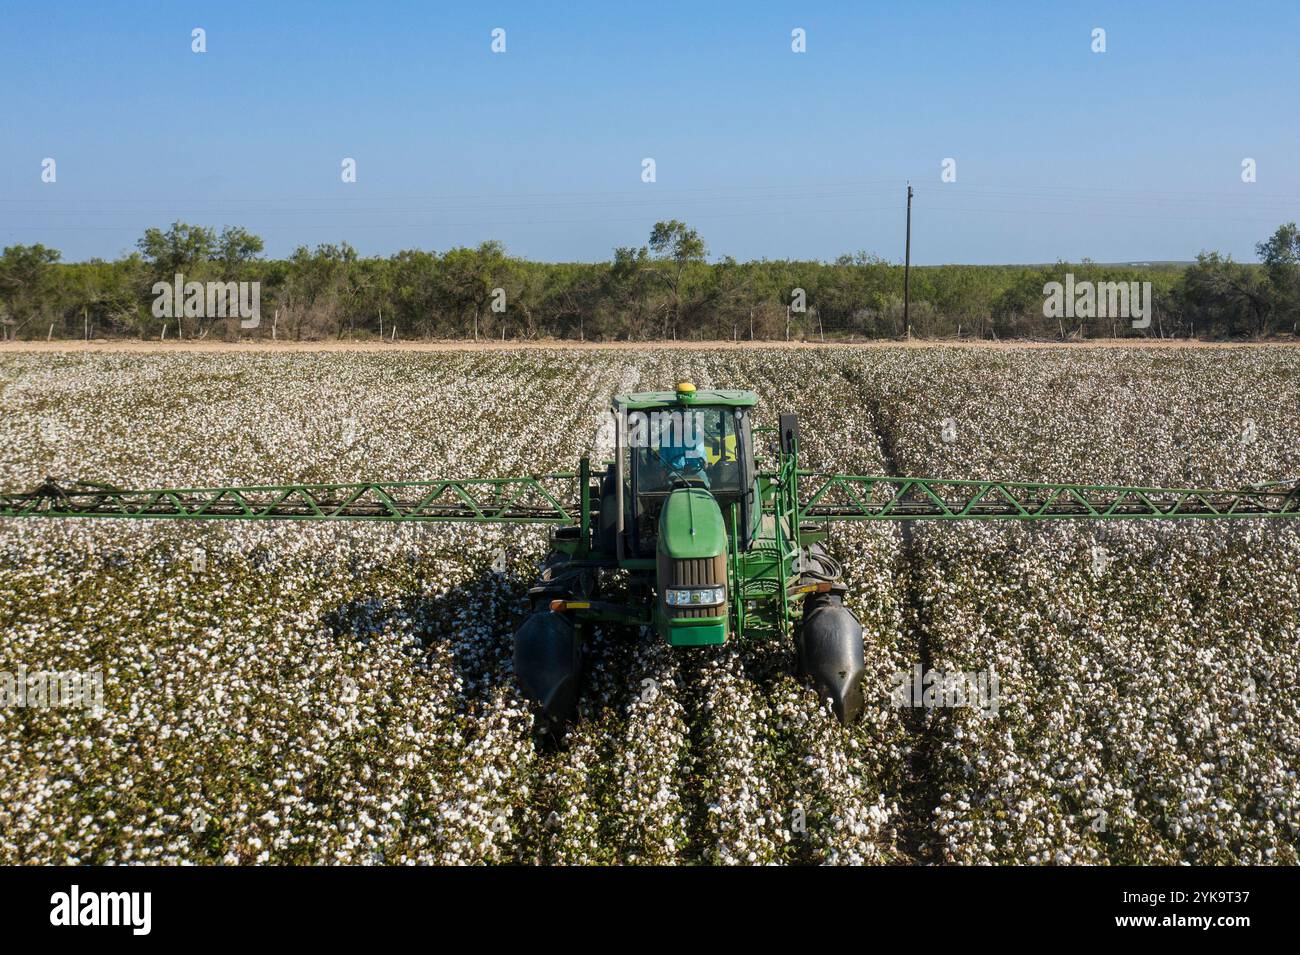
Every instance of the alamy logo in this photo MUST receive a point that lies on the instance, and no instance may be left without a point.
(1088, 299)
(653, 429)
(927, 689)
(182, 299)
(103, 908)
(47, 689)
(664, 429)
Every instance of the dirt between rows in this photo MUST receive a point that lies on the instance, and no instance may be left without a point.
(130, 346)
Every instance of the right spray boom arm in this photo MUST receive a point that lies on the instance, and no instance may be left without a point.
(844, 497)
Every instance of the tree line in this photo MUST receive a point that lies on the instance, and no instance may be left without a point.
(664, 289)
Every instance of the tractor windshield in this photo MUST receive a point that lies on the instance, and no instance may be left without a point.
(692, 445)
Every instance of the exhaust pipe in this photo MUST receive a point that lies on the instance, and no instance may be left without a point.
(548, 663)
(830, 652)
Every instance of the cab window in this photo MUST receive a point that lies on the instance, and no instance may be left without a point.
(695, 445)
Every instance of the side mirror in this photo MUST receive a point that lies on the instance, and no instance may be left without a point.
(789, 428)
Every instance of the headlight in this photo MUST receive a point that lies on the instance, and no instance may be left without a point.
(695, 596)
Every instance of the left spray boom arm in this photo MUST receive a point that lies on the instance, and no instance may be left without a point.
(541, 499)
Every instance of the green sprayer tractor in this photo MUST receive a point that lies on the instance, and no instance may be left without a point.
(692, 529)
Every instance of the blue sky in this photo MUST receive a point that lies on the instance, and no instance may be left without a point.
(1129, 155)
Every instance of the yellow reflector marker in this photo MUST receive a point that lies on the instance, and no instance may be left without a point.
(561, 605)
(819, 588)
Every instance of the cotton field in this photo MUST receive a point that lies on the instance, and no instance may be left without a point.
(299, 692)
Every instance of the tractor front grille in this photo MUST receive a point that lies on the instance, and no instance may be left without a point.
(696, 571)
(693, 572)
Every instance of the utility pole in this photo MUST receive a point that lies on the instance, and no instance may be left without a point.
(907, 267)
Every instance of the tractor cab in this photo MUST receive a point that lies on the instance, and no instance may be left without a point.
(687, 439)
